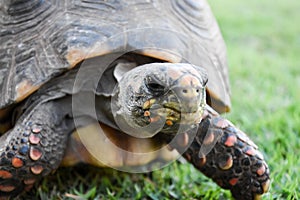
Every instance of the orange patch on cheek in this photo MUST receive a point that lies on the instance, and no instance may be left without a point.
(169, 122)
(147, 113)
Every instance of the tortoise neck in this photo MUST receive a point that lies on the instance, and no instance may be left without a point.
(17, 7)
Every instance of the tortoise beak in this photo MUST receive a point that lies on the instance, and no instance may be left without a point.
(190, 98)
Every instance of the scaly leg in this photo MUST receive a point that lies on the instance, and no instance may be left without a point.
(225, 154)
(33, 147)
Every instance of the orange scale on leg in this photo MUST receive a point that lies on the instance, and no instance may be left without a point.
(29, 181)
(36, 169)
(230, 141)
(266, 186)
(261, 170)
(202, 161)
(209, 138)
(35, 153)
(222, 123)
(233, 181)
(28, 188)
(182, 140)
(250, 151)
(7, 188)
(36, 129)
(5, 174)
(33, 139)
(17, 162)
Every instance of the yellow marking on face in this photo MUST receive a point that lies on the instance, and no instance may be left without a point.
(169, 122)
(147, 113)
(148, 103)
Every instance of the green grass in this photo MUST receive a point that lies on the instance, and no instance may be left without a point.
(263, 41)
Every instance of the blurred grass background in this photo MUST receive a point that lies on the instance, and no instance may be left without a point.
(263, 41)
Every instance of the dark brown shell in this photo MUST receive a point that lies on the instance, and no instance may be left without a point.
(41, 39)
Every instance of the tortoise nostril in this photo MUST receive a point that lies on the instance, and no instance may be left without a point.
(190, 92)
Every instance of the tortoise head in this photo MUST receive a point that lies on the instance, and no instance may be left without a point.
(159, 97)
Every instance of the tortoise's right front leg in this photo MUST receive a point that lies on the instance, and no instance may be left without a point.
(225, 154)
(33, 147)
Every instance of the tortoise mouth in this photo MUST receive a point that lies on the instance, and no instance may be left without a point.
(171, 113)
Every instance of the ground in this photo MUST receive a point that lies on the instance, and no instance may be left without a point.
(263, 41)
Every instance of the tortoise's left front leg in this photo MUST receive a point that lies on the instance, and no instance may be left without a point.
(225, 154)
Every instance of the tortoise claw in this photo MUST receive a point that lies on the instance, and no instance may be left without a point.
(229, 157)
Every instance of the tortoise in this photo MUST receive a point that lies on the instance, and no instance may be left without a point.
(132, 85)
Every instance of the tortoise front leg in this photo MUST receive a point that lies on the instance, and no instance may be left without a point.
(33, 147)
(225, 154)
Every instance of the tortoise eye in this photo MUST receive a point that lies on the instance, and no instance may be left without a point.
(205, 82)
(155, 86)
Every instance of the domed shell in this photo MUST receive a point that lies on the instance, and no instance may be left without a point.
(42, 39)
